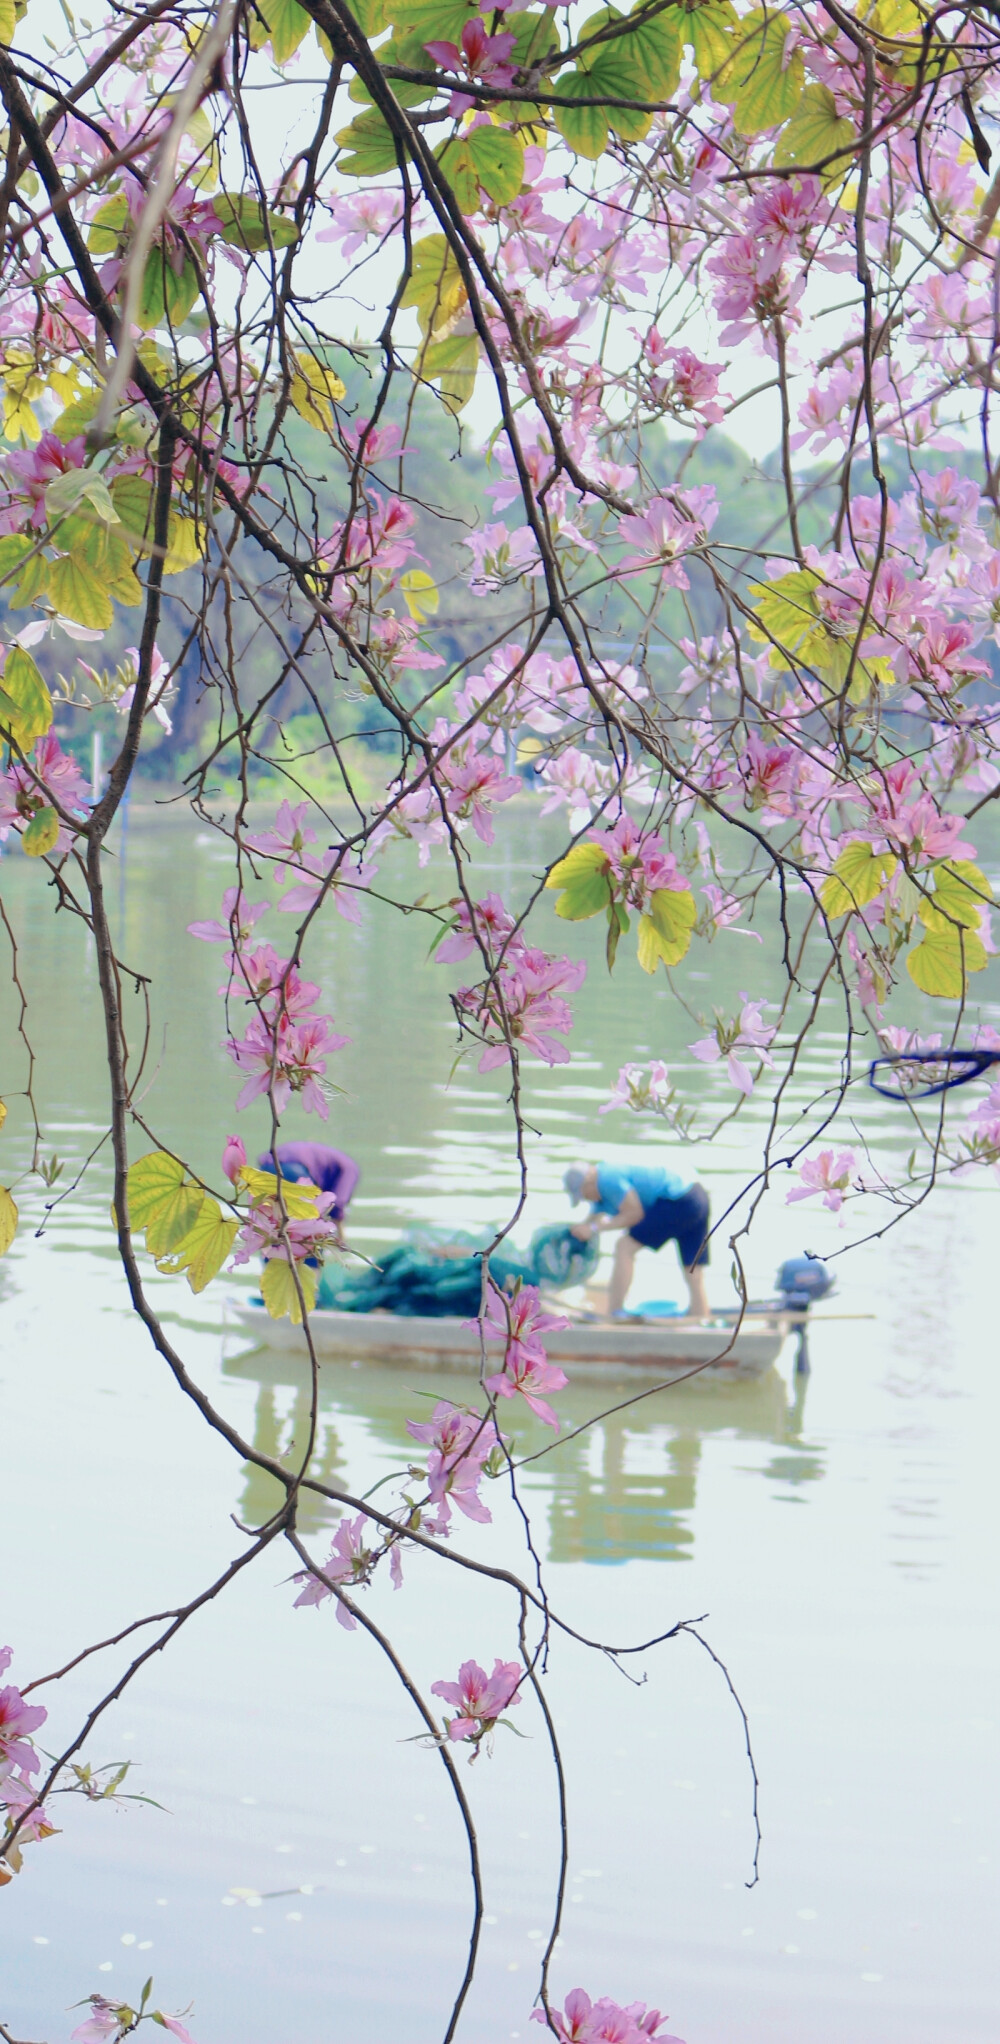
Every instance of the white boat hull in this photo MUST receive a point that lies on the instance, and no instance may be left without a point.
(655, 1346)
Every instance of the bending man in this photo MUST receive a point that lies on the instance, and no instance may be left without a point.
(650, 1206)
(328, 1169)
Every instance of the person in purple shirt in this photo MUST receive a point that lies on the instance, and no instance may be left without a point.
(650, 1206)
(329, 1169)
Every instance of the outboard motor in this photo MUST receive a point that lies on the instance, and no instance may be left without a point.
(801, 1281)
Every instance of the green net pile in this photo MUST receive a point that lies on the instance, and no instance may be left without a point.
(438, 1271)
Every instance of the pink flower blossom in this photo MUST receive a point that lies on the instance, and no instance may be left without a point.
(350, 1562)
(582, 2021)
(480, 56)
(285, 1058)
(527, 999)
(637, 866)
(492, 924)
(668, 528)
(234, 1158)
(480, 1699)
(829, 1174)
(240, 917)
(106, 2019)
(747, 1032)
(519, 1321)
(641, 1087)
(460, 1443)
(32, 470)
(17, 1720)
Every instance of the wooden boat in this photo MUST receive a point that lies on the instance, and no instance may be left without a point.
(655, 1346)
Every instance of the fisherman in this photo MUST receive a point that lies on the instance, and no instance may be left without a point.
(650, 1206)
(328, 1169)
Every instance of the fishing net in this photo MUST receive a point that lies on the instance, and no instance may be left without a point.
(436, 1271)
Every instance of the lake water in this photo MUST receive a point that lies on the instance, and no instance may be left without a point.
(305, 1878)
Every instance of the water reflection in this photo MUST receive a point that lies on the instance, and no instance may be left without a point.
(625, 1489)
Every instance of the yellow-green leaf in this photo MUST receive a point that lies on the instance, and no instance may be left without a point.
(665, 933)
(367, 146)
(583, 877)
(41, 833)
(110, 222)
(858, 877)
(498, 159)
(77, 593)
(8, 1220)
(299, 1197)
(25, 702)
(762, 89)
(709, 28)
(246, 225)
(280, 1295)
(420, 592)
(814, 132)
(205, 1247)
(315, 389)
(288, 23)
(961, 892)
(435, 287)
(585, 128)
(452, 365)
(154, 1182)
(3, 1112)
(166, 295)
(13, 547)
(936, 963)
(787, 611)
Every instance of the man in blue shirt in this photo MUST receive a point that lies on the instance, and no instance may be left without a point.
(650, 1206)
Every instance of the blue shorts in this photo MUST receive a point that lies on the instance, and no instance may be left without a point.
(684, 1220)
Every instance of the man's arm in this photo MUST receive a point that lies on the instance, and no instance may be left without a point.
(629, 1214)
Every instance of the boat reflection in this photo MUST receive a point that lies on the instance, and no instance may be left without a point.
(624, 1489)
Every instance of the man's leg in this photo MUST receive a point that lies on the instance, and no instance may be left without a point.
(626, 1250)
(698, 1306)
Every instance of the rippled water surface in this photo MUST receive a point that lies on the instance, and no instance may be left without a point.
(306, 1876)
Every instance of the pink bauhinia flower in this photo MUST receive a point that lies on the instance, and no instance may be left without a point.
(350, 1562)
(234, 1158)
(637, 866)
(746, 1032)
(480, 1699)
(17, 1720)
(460, 1444)
(286, 1057)
(667, 529)
(519, 1322)
(490, 921)
(480, 55)
(830, 1173)
(582, 2021)
(240, 917)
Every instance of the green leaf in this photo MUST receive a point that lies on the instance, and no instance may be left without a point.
(788, 613)
(13, 547)
(651, 52)
(25, 702)
(77, 593)
(299, 1198)
(814, 132)
(709, 30)
(109, 224)
(78, 416)
(583, 859)
(75, 488)
(452, 365)
(498, 160)
(434, 21)
(246, 224)
(204, 1249)
(8, 1220)
(665, 933)
(858, 877)
(280, 1295)
(153, 1181)
(583, 877)
(961, 892)
(166, 295)
(936, 964)
(756, 82)
(455, 159)
(41, 833)
(435, 287)
(288, 23)
(367, 146)
(585, 128)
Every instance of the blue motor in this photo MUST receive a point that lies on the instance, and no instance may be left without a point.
(801, 1281)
